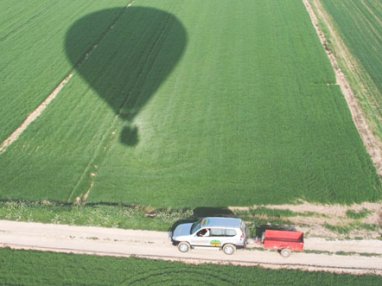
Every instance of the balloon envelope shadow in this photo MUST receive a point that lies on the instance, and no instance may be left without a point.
(125, 54)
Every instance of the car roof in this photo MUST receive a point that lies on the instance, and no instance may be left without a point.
(221, 222)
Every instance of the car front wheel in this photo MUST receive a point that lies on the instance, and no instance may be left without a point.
(184, 246)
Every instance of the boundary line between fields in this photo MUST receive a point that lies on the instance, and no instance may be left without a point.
(370, 141)
(44, 105)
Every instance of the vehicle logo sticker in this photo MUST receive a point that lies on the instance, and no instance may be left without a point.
(215, 242)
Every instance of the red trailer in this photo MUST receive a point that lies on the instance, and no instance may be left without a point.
(284, 241)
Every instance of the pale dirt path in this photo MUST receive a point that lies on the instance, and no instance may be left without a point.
(34, 115)
(371, 142)
(157, 245)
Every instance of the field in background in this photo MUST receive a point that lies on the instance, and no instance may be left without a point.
(191, 103)
(24, 268)
(360, 26)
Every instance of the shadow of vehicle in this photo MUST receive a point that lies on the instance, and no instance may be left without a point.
(260, 230)
(201, 212)
(212, 212)
(125, 54)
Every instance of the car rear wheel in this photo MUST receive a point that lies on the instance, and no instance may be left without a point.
(183, 246)
(229, 249)
(285, 252)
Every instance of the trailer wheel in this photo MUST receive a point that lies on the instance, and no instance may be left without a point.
(184, 246)
(285, 252)
(229, 249)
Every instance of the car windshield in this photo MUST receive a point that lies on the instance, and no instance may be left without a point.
(195, 226)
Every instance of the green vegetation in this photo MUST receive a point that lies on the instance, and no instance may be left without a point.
(261, 216)
(38, 268)
(357, 214)
(360, 26)
(272, 212)
(341, 229)
(33, 60)
(347, 228)
(106, 215)
(192, 103)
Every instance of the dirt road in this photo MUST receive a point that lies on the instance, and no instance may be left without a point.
(157, 245)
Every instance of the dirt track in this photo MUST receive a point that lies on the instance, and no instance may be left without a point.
(157, 245)
(371, 142)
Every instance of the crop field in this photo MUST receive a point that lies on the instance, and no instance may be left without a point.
(33, 62)
(38, 268)
(360, 25)
(176, 104)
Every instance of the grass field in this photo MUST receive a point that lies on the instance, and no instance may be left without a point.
(33, 61)
(191, 103)
(360, 25)
(37, 268)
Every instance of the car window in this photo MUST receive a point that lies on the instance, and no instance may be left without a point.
(217, 232)
(223, 232)
(230, 232)
(203, 232)
(195, 226)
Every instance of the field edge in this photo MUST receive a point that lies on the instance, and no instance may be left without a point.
(352, 80)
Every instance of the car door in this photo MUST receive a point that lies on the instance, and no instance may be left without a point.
(201, 238)
(217, 237)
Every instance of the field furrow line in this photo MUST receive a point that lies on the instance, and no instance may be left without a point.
(44, 105)
(372, 144)
(102, 147)
(20, 26)
(372, 13)
(148, 64)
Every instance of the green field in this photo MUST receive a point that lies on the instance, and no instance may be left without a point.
(38, 268)
(33, 61)
(185, 104)
(360, 25)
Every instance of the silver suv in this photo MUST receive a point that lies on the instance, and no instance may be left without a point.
(225, 233)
